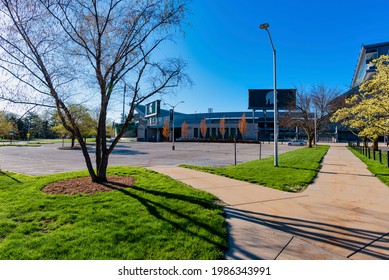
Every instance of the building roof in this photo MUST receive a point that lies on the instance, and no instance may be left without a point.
(141, 109)
(362, 53)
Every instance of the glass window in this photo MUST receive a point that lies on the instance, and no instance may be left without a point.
(196, 132)
(214, 132)
(370, 55)
(233, 132)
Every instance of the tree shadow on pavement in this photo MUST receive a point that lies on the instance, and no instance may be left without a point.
(350, 240)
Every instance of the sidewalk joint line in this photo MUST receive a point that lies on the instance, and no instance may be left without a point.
(367, 245)
(269, 200)
(287, 244)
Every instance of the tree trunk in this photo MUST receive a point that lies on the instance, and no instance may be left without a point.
(310, 140)
(87, 159)
(365, 141)
(375, 144)
(73, 141)
(64, 32)
(102, 170)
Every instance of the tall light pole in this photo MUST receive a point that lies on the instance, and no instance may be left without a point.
(315, 128)
(266, 26)
(173, 148)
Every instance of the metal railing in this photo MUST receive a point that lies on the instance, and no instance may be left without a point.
(380, 156)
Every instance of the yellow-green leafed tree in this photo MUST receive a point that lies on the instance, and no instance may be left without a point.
(367, 112)
(86, 124)
(5, 125)
(242, 125)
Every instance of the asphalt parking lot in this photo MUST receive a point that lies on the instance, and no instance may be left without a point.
(49, 158)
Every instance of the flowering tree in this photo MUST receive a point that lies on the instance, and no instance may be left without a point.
(367, 111)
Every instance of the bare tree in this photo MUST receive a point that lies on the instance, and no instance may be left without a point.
(56, 52)
(308, 102)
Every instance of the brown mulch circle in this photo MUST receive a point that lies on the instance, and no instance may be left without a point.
(85, 185)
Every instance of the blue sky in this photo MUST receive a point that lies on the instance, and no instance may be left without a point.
(316, 42)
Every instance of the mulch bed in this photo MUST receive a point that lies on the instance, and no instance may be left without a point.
(85, 185)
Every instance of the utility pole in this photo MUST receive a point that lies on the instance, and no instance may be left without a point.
(124, 103)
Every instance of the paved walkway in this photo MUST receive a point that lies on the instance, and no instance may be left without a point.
(344, 214)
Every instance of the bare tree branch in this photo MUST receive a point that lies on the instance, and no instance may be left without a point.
(318, 98)
(56, 46)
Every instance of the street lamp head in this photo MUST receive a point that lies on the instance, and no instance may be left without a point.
(264, 26)
(173, 106)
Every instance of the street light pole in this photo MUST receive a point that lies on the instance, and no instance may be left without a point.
(173, 147)
(266, 26)
(315, 128)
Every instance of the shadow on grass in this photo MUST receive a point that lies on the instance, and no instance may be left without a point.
(9, 176)
(201, 202)
(299, 168)
(157, 209)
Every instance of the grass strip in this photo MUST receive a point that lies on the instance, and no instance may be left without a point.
(380, 170)
(157, 218)
(296, 170)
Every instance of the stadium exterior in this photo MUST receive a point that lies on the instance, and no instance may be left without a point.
(259, 126)
(149, 127)
(365, 66)
(363, 71)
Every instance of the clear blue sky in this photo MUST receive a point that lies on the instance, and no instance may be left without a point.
(316, 42)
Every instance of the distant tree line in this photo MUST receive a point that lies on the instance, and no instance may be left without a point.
(37, 126)
(45, 126)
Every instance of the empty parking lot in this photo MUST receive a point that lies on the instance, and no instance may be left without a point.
(49, 158)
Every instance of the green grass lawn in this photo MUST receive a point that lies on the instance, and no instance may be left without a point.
(296, 169)
(380, 170)
(157, 218)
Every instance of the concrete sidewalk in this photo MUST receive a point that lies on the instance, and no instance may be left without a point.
(344, 214)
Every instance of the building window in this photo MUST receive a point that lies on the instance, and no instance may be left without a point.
(370, 55)
(196, 132)
(214, 132)
(233, 132)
